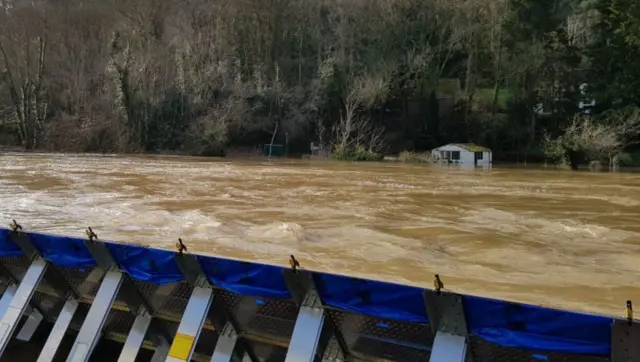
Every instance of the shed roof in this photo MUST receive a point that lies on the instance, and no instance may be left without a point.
(471, 147)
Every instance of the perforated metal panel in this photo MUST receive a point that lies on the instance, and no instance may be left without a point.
(269, 317)
(75, 277)
(49, 306)
(16, 265)
(146, 290)
(268, 353)
(118, 322)
(368, 337)
(484, 351)
(206, 342)
(79, 316)
(177, 302)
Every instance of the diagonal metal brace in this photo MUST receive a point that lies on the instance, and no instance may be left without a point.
(217, 314)
(330, 342)
(105, 260)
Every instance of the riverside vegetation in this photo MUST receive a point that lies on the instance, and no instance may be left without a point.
(361, 78)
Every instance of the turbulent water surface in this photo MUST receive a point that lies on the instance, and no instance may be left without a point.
(562, 239)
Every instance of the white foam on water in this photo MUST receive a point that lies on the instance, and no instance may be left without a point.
(400, 223)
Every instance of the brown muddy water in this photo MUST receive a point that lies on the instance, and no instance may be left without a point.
(569, 240)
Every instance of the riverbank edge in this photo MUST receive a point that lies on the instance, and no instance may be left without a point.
(234, 155)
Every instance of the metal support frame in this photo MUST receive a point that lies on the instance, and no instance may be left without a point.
(52, 278)
(625, 341)
(7, 296)
(59, 329)
(135, 338)
(20, 301)
(59, 285)
(161, 352)
(141, 326)
(229, 345)
(447, 320)
(97, 316)
(30, 326)
(306, 334)
(226, 347)
(132, 298)
(311, 334)
(90, 282)
(92, 325)
(190, 268)
(160, 296)
(137, 305)
(193, 319)
(68, 310)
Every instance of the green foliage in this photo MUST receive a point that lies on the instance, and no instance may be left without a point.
(615, 55)
(358, 153)
(556, 150)
(626, 159)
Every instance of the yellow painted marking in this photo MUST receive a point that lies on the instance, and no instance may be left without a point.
(181, 346)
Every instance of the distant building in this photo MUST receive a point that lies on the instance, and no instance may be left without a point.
(462, 153)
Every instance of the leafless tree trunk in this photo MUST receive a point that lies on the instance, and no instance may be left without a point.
(23, 47)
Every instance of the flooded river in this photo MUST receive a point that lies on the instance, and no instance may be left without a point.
(562, 239)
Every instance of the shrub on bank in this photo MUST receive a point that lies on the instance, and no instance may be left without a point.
(414, 157)
(355, 154)
(625, 159)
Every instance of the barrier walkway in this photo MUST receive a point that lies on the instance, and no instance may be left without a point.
(188, 307)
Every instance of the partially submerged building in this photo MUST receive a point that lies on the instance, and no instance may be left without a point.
(462, 153)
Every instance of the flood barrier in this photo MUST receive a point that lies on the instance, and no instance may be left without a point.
(189, 307)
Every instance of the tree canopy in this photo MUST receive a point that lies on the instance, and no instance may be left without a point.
(200, 76)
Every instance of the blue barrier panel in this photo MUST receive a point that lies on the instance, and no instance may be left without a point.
(529, 327)
(145, 264)
(7, 246)
(63, 251)
(503, 323)
(373, 298)
(244, 278)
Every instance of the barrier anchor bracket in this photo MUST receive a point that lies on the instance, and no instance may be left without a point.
(625, 341)
(447, 320)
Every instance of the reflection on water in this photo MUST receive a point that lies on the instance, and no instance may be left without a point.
(564, 239)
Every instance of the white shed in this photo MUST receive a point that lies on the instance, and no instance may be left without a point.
(462, 153)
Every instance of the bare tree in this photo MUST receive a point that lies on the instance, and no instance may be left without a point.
(597, 140)
(24, 43)
(355, 128)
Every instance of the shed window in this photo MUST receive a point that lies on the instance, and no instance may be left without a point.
(479, 155)
(455, 155)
